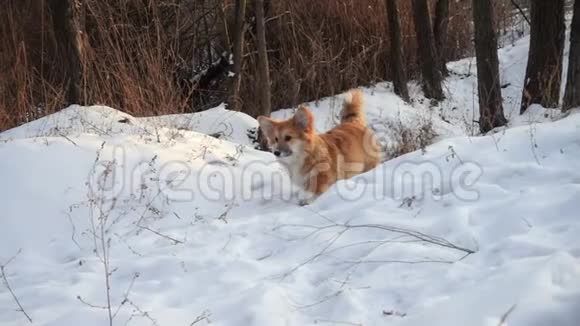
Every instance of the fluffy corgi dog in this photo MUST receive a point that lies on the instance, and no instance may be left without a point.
(316, 161)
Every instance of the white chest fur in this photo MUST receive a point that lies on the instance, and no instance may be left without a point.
(293, 165)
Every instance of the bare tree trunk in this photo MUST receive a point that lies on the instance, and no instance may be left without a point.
(69, 43)
(440, 27)
(207, 33)
(238, 33)
(572, 93)
(544, 70)
(488, 83)
(430, 72)
(397, 66)
(263, 67)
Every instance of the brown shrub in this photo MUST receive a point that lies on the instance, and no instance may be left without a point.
(153, 57)
(404, 138)
(324, 47)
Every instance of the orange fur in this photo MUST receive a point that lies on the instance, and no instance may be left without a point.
(317, 161)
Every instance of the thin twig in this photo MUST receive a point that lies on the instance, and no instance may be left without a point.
(416, 234)
(12, 258)
(5, 279)
(135, 252)
(506, 315)
(204, 316)
(90, 304)
(105, 247)
(336, 322)
(20, 308)
(394, 261)
(74, 230)
(318, 255)
(342, 228)
(143, 313)
(126, 295)
(515, 4)
(276, 17)
(175, 241)
(70, 140)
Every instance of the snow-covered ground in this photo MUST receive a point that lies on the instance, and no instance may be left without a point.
(185, 228)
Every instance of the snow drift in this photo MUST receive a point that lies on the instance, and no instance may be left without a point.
(187, 224)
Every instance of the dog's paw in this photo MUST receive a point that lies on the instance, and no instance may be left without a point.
(305, 198)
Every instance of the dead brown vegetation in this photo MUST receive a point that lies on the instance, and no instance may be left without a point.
(148, 57)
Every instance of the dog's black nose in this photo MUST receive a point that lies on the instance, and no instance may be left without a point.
(277, 153)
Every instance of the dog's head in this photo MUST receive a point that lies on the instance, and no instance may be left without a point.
(288, 138)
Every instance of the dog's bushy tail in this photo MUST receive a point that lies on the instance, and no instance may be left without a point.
(352, 110)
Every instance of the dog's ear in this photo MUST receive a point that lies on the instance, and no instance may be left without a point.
(304, 119)
(267, 125)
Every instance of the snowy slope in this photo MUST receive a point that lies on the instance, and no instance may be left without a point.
(104, 121)
(192, 229)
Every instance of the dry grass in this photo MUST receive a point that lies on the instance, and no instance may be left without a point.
(137, 56)
(146, 57)
(320, 48)
(406, 139)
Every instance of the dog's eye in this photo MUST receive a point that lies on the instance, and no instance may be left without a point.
(288, 138)
(276, 139)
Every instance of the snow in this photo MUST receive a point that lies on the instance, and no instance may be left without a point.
(200, 229)
(104, 121)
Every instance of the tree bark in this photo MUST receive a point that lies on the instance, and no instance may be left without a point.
(431, 75)
(440, 27)
(397, 65)
(572, 92)
(263, 66)
(544, 70)
(488, 83)
(234, 100)
(208, 40)
(69, 44)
